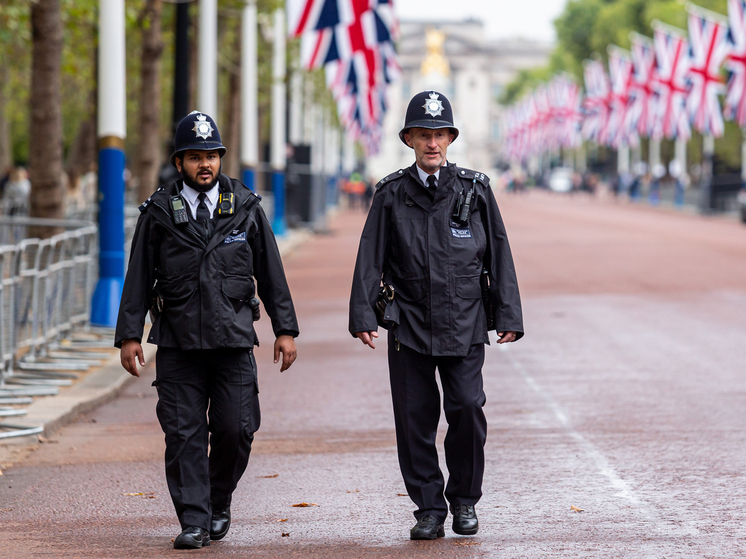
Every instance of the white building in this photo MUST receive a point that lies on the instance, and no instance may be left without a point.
(455, 59)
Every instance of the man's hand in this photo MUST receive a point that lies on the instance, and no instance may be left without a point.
(505, 337)
(285, 345)
(130, 354)
(367, 338)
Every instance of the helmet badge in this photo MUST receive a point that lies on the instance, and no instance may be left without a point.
(202, 128)
(433, 106)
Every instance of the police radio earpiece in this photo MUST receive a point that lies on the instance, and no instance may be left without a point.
(225, 204)
(179, 209)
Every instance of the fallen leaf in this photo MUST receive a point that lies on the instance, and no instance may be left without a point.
(356, 491)
(286, 534)
(281, 520)
(1, 472)
(467, 543)
(402, 495)
(306, 505)
(269, 476)
(576, 509)
(149, 495)
(43, 439)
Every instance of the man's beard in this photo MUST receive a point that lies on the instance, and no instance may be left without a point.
(191, 180)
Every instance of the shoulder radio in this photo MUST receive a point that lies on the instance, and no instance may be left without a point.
(179, 209)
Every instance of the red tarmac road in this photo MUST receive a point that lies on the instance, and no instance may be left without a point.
(626, 399)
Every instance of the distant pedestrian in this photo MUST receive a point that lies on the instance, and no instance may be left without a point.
(435, 239)
(199, 244)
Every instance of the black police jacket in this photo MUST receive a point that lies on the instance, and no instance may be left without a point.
(206, 286)
(434, 264)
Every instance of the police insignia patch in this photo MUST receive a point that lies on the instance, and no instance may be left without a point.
(433, 106)
(202, 128)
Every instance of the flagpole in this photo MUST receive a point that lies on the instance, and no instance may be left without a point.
(112, 130)
(708, 150)
(207, 84)
(681, 176)
(249, 113)
(279, 156)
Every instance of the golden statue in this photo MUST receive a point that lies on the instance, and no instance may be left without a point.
(435, 62)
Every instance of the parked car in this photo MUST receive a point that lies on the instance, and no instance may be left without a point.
(560, 179)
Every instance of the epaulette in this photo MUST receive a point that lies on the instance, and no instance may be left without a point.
(146, 203)
(247, 188)
(390, 177)
(471, 175)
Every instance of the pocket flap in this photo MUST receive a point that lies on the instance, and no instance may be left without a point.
(468, 287)
(236, 287)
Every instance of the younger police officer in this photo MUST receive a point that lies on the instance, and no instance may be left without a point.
(433, 231)
(199, 244)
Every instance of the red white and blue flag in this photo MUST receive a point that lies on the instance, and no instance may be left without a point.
(671, 86)
(641, 113)
(735, 98)
(596, 107)
(353, 40)
(621, 78)
(709, 49)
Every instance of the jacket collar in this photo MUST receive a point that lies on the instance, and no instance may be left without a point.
(418, 192)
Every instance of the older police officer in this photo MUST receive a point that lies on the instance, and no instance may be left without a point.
(199, 244)
(435, 239)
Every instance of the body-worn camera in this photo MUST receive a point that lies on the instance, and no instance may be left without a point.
(225, 204)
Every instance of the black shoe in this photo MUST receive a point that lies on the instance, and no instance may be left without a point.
(221, 522)
(427, 528)
(193, 537)
(465, 520)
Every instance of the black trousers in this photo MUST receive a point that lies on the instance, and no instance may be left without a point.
(416, 413)
(206, 396)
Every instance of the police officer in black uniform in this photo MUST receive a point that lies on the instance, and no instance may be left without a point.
(199, 244)
(434, 267)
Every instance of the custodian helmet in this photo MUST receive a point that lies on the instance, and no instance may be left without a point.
(429, 109)
(196, 131)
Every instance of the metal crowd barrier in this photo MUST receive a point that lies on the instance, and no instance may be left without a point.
(46, 288)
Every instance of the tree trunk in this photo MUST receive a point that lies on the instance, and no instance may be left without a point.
(6, 149)
(149, 149)
(45, 135)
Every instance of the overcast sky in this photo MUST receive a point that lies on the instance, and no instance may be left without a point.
(531, 19)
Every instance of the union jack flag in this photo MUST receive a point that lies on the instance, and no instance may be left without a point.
(620, 71)
(672, 55)
(353, 40)
(735, 99)
(642, 99)
(314, 15)
(709, 48)
(596, 107)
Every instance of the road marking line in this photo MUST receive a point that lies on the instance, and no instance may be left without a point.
(590, 449)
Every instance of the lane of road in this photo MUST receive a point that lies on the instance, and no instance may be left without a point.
(625, 399)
